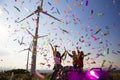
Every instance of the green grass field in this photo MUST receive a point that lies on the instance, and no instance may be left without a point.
(21, 74)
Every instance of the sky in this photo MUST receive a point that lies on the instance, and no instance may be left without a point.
(91, 25)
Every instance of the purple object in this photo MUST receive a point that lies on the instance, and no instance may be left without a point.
(86, 2)
(94, 74)
(52, 8)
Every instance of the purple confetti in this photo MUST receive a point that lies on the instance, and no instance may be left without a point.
(86, 2)
(52, 8)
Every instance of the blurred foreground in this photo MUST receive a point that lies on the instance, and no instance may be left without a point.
(20, 74)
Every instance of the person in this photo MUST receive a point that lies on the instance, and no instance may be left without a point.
(74, 57)
(80, 59)
(57, 59)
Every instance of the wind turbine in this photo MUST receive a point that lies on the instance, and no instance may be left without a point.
(34, 52)
(29, 50)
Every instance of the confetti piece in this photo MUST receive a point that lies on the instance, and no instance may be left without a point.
(93, 62)
(97, 28)
(41, 63)
(26, 9)
(64, 30)
(86, 2)
(69, 7)
(98, 55)
(103, 63)
(82, 2)
(91, 30)
(6, 10)
(100, 14)
(105, 34)
(34, 19)
(118, 44)
(49, 3)
(40, 75)
(44, 43)
(79, 4)
(65, 12)
(100, 42)
(118, 51)
(75, 2)
(107, 50)
(67, 23)
(119, 13)
(57, 11)
(114, 52)
(52, 22)
(18, 0)
(97, 31)
(56, 1)
(52, 8)
(17, 8)
(49, 65)
(92, 11)
(23, 2)
(94, 37)
(38, 2)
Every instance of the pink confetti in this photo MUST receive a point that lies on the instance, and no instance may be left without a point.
(49, 65)
(94, 37)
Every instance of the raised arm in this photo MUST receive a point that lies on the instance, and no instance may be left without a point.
(53, 50)
(64, 54)
(78, 51)
(70, 54)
